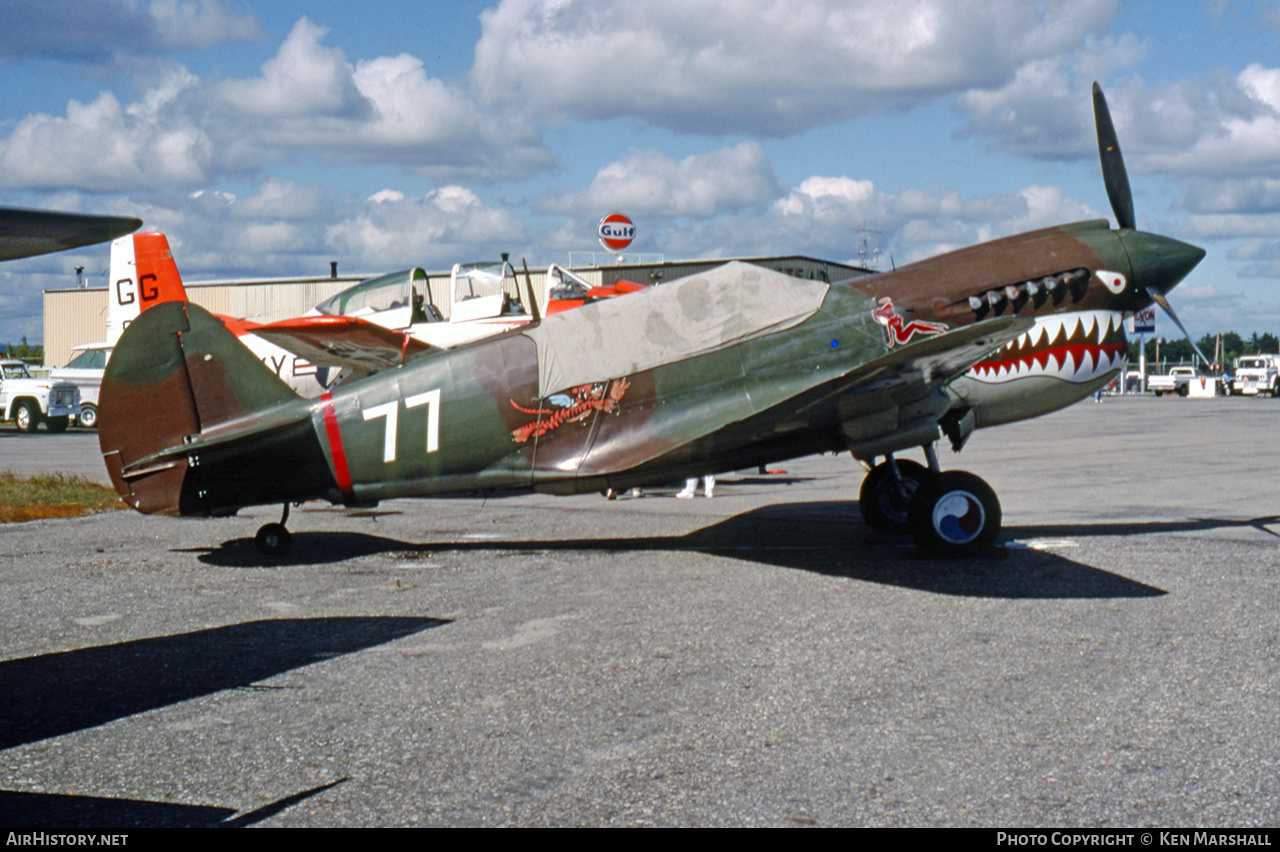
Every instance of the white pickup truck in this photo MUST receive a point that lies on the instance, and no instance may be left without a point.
(1256, 375)
(27, 400)
(85, 370)
(1176, 381)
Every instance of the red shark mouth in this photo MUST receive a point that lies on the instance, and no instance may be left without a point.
(1074, 347)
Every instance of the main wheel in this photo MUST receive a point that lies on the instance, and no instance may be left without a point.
(955, 514)
(273, 540)
(27, 416)
(58, 424)
(89, 416)
(883, 504)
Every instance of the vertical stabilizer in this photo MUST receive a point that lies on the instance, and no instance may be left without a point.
(192, 423)
(142, 274)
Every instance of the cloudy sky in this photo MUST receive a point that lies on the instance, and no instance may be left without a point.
(269, 138)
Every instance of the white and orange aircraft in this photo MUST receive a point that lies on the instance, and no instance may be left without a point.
(366, 328)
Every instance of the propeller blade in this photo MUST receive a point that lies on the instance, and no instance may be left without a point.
(1168, 309)
(1113, 172)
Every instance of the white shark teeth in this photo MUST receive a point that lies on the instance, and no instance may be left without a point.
(1074, 347)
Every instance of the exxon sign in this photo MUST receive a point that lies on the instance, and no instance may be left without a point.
(616, 232)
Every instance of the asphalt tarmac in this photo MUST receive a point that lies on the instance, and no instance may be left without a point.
(761, 658)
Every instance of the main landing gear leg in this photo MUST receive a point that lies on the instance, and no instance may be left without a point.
(887, 492)
(948, 513)
(274, 539)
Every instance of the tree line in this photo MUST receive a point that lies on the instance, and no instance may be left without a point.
(31, 353)
(1232, 345)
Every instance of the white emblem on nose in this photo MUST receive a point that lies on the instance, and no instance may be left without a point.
(1113, 281)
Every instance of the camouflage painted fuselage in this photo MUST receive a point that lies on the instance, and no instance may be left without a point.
(210, 430)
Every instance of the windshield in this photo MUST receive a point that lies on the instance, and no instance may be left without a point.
(384, 293)
(89, 359)
(473, 280)
(15, 371)
(565, 285)
(1252, 364)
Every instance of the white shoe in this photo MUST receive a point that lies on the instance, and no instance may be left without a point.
(685, 495)
(711, 492)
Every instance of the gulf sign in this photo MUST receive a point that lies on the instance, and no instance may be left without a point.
(616, 232)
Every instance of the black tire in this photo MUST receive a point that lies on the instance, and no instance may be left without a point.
(89, 416)
(880, 500)
(955, 514)
(273, 540)
(57, 424)
(27, 416)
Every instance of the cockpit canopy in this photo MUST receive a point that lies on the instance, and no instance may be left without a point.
(393, 291)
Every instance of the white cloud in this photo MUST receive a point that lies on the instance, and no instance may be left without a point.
(103, 145)
(285, 199)
(438, 229)
(648, 182)
(1219, 126)
(182, 131)
(1228, 127)
(761, 65)
(384, 109)
(304, 78)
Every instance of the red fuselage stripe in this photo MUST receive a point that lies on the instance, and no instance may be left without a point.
(335, 446)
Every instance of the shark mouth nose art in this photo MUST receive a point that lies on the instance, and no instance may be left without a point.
(1073, 347)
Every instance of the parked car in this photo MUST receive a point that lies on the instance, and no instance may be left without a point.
(27, 401)
(85, 370)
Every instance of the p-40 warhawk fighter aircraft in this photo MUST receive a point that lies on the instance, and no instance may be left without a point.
(729, 369)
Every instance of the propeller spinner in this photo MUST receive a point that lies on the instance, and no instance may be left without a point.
(1159, 263)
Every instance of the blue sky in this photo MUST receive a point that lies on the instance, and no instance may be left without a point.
(271, 138)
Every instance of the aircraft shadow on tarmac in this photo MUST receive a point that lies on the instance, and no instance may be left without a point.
(48, 810)
(823, 537)
(54, 694)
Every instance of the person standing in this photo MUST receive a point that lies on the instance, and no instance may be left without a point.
(691, 487)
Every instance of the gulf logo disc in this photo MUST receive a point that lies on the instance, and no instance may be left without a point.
(616, 232)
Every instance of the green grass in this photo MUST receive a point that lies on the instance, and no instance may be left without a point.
(55, 495)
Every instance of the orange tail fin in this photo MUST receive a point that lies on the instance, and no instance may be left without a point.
(143, 274)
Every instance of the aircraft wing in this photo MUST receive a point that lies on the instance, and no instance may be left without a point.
(346, 342)
(869, 403)
(25, 233)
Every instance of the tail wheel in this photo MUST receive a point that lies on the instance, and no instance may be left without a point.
(884, 505)
(273, 540)
(955, 514)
